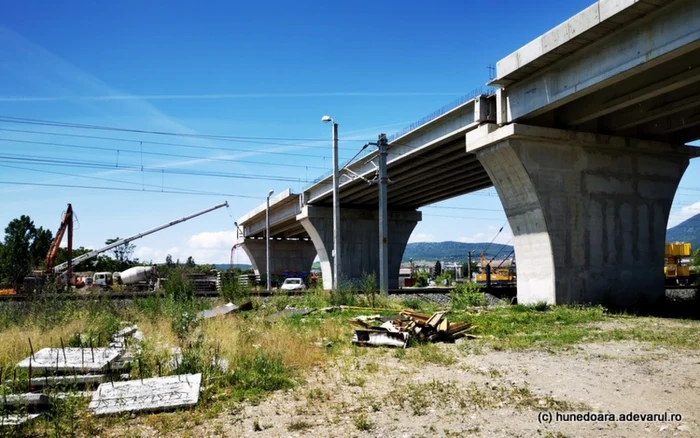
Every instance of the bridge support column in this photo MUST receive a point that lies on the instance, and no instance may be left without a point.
(359, 229)
(588, 212)
(285, 255)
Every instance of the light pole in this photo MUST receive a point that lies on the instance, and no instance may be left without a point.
(336, 204)
(267, 238)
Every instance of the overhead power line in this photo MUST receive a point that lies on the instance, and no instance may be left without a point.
(108, 166)
(163, 143)
(160, 154)
(23, 120)
(117, 189)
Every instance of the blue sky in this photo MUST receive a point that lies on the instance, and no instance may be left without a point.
(238, 69)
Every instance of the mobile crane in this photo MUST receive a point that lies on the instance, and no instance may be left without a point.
(31, 283)
(676, 269)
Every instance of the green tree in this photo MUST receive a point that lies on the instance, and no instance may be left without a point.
(17, 257)
(438, 268)
(39, 248)
(169, 261)
(190, 262)
(696, 258)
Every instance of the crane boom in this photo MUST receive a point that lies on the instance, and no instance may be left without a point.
(91, 254)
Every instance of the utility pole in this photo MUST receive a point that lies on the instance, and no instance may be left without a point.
(336, 211)
(383, 220)
(469, 266)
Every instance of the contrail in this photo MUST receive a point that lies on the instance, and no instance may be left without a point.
(222, 96)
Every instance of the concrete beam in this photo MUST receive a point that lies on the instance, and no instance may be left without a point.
(593, 22)
(283, 207)
(588, 212)
(647, 114)
(594, 106)
(461, 187)
(399, 185)
(664, 34)
(441, 130)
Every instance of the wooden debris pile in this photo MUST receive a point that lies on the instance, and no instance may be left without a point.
(396, 331)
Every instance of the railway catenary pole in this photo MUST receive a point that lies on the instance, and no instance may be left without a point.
(383, 220)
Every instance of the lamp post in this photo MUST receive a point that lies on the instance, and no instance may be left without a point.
(267, 238)
(336, 204)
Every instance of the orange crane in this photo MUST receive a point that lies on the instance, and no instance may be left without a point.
(66, 224)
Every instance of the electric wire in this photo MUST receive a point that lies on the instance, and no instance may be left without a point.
(40, 122)
(123, 189)
(163, 143)
(160, 154)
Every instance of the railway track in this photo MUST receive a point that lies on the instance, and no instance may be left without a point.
(501, 291)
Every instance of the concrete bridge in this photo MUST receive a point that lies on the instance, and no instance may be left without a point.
(584, 142)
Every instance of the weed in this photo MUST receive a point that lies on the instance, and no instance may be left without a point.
(298, 425)
(361, 422)
(466, 295)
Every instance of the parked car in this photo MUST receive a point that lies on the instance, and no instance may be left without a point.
(293, 284)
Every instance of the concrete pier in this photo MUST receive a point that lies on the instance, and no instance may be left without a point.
(285, 255)
(588, 212)
(359, 251)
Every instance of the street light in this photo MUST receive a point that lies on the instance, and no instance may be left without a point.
(267, 238)
(336, 204)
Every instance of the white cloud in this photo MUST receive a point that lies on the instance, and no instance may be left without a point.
(421, 237)
(684, 213)
(212, 240)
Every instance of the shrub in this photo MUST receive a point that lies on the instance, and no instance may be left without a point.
(467, 295)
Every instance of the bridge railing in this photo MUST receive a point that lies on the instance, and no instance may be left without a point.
(429, 118)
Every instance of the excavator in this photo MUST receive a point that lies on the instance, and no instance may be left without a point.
(499, 276)
(40, 277)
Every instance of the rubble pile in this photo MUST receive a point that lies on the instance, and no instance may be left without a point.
(396, 331)
(68, 369)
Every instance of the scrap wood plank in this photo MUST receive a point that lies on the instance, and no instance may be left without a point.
(435, 319)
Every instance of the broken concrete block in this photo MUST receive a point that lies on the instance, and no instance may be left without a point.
(71, 359)
(7, 420)
(147, 395)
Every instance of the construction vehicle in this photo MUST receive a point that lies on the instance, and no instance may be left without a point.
(677, 266)
(31, 283)
(500, 276)
(39, 277)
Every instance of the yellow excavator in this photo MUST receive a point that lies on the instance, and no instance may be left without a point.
(499, 276)
(676, 269)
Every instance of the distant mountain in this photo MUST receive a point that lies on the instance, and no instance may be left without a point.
(453, 251)
(686, 231)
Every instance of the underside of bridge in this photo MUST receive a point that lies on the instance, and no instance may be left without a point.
(658, 103)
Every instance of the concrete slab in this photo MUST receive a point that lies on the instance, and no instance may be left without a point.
(71, 359)
(218, 311)
(150, 395)
(16, 419)
(29, 399)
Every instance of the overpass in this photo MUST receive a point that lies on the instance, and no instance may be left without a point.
(584, 141)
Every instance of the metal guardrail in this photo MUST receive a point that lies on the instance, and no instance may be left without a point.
(417, 124)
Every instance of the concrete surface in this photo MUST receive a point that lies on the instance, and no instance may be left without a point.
(285, 255)
(75, 359)
(149, 395)
(359, 240)
(588, 212)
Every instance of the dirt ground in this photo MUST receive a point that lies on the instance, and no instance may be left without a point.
(463, 391)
